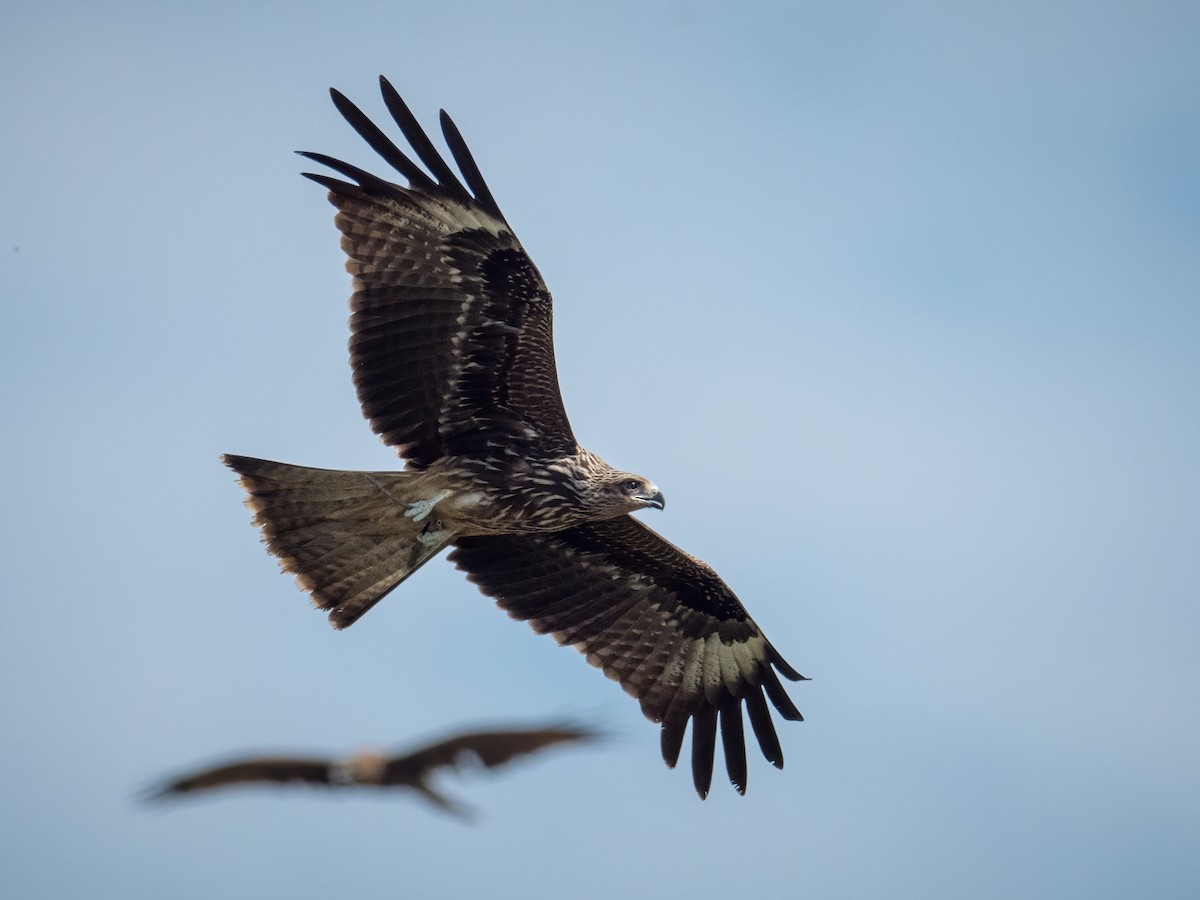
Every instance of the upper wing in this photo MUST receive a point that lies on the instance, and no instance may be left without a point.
(451, 343)
(276, 770)
(657, 620)
(491, 748)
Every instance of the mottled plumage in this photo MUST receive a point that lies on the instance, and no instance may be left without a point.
(453, 358)
(373, 769)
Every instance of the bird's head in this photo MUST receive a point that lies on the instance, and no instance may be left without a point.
(364, 767)
(624, 492)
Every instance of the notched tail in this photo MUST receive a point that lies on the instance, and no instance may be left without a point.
(344, 535)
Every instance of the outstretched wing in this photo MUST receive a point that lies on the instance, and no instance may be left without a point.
(657, 620)
(256, 770)
(451, 345)
(491, 748)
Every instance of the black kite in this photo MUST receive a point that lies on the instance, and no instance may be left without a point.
(453, 358)
(372, 769)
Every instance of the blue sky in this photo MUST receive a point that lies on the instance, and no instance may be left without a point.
(899, 304)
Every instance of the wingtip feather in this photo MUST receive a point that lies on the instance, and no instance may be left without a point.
(781, 664)
(672, 740)
(704, 748)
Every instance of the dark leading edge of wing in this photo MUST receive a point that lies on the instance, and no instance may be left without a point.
(660, 622)
(253, 770)
(451, 342)
(490, 748)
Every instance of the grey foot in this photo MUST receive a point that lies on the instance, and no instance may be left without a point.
(418, 510)
(431, 537)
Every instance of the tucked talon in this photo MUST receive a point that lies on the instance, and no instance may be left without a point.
(418, 510)
(430, 537)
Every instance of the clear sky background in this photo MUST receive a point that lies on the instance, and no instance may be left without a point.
(899, 304)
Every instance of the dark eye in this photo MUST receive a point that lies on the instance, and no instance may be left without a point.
(633, 484)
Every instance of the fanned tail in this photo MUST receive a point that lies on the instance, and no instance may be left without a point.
(344, 535)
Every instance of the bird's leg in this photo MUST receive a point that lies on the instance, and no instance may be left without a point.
(429, 540)
(419, 509)
(444, 803)
(433, 534)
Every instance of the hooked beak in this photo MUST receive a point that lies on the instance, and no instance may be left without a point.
(657, 500)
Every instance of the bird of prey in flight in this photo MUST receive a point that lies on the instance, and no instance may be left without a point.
(453, 359)
(373, 769)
